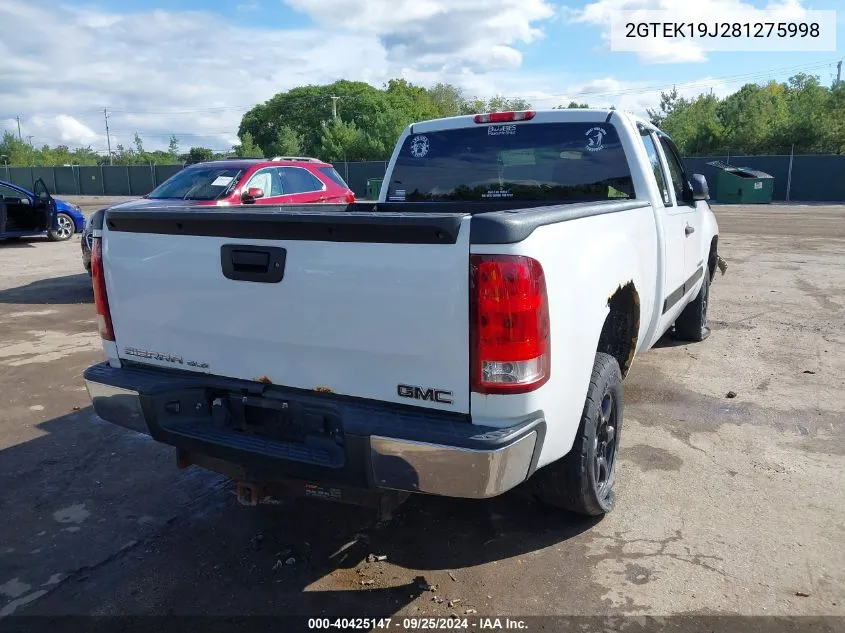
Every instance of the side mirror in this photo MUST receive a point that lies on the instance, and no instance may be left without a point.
(252, 194)
(700, 190)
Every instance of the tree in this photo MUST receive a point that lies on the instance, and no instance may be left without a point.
(696, 127)
(16, 151)
(572, 106)
(342, 141)
(500, 103)
(809, 122)
(173, 147)
(287, 143)
(748, 117)
(669, 101)
(447, 99)
(197, 155)
(497, 103)
(297, 118)
(248, 148)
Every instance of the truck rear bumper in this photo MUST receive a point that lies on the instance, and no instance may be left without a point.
(346, 441)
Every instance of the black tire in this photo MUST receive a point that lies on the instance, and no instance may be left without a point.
(67, 228)
(582, 481)
(691, 325)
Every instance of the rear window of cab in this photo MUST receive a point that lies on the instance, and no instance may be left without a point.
(513, 161)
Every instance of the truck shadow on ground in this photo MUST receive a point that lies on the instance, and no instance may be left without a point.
(670, 340)
(156, 540)
(65, 290)
(11, 243)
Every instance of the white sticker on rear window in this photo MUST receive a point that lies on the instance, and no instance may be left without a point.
(595, 136)
(420, 146)
(222, 181)
(500, 130)
(498, 193)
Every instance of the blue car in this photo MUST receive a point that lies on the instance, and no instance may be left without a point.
(26, 213)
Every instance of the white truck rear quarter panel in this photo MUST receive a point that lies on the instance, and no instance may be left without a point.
(357, 318)
(585, 261)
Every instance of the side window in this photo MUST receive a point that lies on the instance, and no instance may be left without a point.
(8, 192)
(299, 180)
(676, 169)
(656, 167)
(267, 180)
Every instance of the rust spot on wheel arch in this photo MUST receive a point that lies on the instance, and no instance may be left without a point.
(622, 326)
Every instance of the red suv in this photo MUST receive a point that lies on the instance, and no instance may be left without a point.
(281, 180)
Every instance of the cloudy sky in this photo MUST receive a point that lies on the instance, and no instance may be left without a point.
(193, 67)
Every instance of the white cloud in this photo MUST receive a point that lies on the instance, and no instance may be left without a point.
(603, 13)
(439, 34)
(188, 73)
(67, 129)
(194, 74)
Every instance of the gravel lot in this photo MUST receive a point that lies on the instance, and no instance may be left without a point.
(724, 505)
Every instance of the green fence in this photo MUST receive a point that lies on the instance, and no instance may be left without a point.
(812, 178)
(106, 180)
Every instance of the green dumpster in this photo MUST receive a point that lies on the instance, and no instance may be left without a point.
(742, 185)
(373, 188)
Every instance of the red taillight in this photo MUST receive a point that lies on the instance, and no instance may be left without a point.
(504, 117)
(101, 300)
(350, 198)
(509, 324)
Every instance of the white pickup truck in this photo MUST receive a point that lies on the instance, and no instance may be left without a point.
(465, 335)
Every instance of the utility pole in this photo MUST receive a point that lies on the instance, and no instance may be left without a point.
(334, 106)
(838, 72)
(29, 140)
(108, 138)
(20, 138)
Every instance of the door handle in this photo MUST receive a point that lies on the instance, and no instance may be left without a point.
(250, 261)
(262, 264)
(689, 230)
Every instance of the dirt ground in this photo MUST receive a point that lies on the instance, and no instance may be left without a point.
(725, 505)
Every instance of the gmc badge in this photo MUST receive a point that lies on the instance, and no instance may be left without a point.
(419, 393)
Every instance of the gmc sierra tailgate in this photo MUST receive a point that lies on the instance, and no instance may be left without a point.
(369, 305)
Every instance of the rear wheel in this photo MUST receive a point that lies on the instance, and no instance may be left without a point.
(582, 481)
(691, 325)
(66, 228)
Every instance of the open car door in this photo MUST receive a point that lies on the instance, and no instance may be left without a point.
(45, 204)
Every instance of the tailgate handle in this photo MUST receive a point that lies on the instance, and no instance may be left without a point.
(261, 264)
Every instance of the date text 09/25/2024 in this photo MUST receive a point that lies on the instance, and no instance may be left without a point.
(418, 624)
